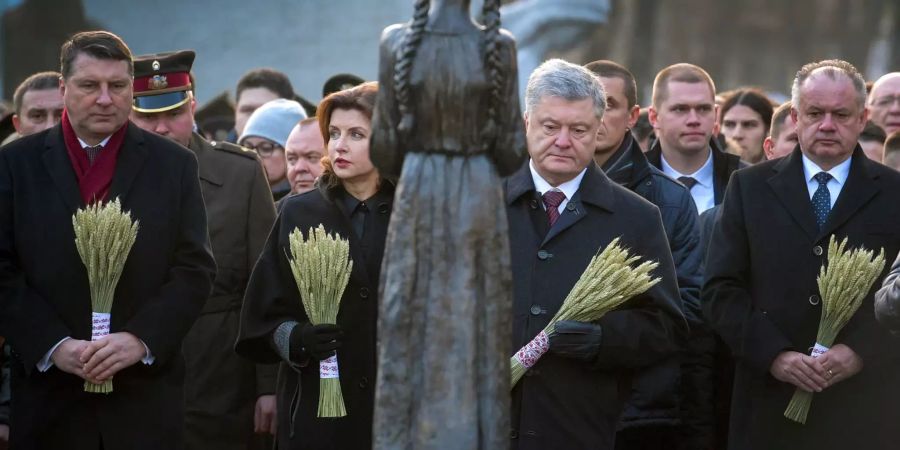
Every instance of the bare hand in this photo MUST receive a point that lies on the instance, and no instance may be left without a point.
(801, 370)
(840, 362)
(265, 415)
(67, 357)
(104, 357)
(4, 433)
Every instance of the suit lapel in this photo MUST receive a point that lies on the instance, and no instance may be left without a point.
(56, 160)
(789, 186)
(857, 191)
(128, 164)
(595, 189)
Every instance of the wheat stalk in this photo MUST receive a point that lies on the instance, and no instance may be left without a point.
(608, 281)
(104, 235)
(321, 267)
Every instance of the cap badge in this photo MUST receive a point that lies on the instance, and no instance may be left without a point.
(155, 65)
(158, 82)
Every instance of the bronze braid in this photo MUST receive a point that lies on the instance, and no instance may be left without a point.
(403, 65)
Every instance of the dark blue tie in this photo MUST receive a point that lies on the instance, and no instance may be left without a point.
(821, 199)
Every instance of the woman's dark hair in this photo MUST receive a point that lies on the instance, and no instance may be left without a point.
(752, 98)
(359, 98)
(492, 60)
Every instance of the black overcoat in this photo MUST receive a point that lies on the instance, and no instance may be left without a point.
(565, 403)
(44, 293)
(272, 298)
(761, 296)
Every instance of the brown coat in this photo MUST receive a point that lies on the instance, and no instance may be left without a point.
(221, 388)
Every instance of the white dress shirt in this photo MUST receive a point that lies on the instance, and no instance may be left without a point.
(569, 188)
(838, 174)
(704, 192)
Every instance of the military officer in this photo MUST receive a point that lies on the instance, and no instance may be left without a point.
(226, 397)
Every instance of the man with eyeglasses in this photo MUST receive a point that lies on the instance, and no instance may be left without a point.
(226, 398)
(267, 132)
(884, 103)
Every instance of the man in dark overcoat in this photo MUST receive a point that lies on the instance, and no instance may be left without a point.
(562, 210)
(226, 397)
(96, 155)
(760, 295)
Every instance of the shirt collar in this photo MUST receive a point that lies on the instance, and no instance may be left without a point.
(568, 188)
(839, 172)
(703, 175)
(102, 143)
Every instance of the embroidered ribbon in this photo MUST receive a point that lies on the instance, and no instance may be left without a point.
(818, 350)
(528, 355)
(99, 325)
(328, 368)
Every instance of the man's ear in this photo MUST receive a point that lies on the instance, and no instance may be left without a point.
(768, 145)
(633, 116)
(15, 121)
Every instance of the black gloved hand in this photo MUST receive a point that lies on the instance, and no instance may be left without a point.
(314, 341)
(577, 340)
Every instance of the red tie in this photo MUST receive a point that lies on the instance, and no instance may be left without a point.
(552, 200)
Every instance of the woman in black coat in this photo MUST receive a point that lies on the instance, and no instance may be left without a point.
(353, 201)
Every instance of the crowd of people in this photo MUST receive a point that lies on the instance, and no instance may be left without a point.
(734, 196)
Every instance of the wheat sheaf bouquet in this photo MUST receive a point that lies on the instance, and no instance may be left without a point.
(104, 235)
(608, 281)
(844, 281)
(321, 267)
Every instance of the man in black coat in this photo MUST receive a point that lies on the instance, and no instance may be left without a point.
(761, 296)
(94, 155)
(652, 416)
(562, 209)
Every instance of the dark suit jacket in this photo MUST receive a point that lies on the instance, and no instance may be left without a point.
(562, 402)
(44, 294)
(723, 166)
(761, 297)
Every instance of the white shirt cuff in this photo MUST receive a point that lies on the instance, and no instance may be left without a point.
(148, 358)
(46, 363)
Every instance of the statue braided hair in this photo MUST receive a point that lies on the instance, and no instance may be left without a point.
(403, 66)
(493, 64)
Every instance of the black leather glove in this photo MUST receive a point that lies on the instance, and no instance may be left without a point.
(314, 341)
(577, 340)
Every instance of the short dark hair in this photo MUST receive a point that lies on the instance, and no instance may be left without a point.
(681, 72)
(271, 79)
(752, 98)
(611, 69)
(37, 82)
(872, 132)
(97, 44)
(778, 117)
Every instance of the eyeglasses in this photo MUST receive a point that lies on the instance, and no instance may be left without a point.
(264, 149)
(887, 100)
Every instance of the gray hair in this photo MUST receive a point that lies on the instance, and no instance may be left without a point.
(832, 68)
(558, 78)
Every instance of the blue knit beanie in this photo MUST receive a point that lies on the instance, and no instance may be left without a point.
(274, 121)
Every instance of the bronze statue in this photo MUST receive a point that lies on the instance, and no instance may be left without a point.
(448, 115)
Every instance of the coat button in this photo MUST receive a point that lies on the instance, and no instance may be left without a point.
(544, 255)
(817, 250)
(363, 383)
(531, 433)
(383, 208)
(814, 299)
(364, 293)
(514, 434)
(535, 310)
(570, 206)
(533, 204)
